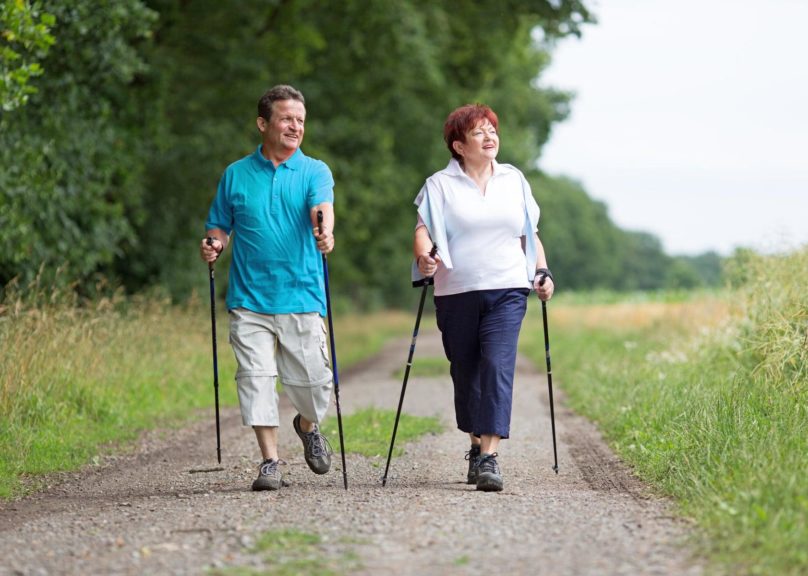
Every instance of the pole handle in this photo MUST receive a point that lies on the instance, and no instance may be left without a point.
(209, 240)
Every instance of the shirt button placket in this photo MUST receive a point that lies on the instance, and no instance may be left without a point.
(274, 195)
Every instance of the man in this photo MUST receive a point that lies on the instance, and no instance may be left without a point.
(267, 205)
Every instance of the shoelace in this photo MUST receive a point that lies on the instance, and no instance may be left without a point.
(268, 467)
(318, 445)
(473, 455)
(488, 463)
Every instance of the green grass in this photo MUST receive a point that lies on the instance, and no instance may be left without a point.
(291, 552)
(426, 367)
(371, 430)
(708, 399)
(78, 379)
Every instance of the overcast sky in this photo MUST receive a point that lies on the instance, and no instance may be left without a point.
(690, 120)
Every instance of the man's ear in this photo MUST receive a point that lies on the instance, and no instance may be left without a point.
(261, 122)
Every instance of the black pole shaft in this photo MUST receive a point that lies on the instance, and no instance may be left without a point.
(406, 377)
(427, 282)
(211, 275)
(549, 382)
(333, 357)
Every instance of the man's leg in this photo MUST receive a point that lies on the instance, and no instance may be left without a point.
(307, 380)
(267, 437)
(252, 337)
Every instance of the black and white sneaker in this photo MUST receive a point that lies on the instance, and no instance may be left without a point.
(489, 478)
(473, 456)
(316, 448)
(269, 477)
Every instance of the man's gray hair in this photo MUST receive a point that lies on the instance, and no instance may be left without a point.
(279, 92)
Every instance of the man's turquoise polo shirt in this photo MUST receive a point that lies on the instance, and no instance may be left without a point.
(276, 267)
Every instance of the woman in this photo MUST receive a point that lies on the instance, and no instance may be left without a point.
(483, 219)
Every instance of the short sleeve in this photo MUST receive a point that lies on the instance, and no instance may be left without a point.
(220, 214)
(321, 185)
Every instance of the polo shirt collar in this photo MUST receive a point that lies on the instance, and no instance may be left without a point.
(293, 162)
(454, 168)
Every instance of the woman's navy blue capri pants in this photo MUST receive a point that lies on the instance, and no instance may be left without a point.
(480, 331)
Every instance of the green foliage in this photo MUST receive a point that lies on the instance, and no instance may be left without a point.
(708, 407)
(111, 166)
(579, 239)
(775, 330)
(70, 173)
(26, 39)
(379, 78)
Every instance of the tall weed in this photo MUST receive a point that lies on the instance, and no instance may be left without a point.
(707, 398)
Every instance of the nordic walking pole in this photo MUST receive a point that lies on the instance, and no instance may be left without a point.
(549, 371)
(333, 355)
(426, 283)
(215, 356)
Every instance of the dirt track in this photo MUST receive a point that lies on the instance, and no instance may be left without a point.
(147, 513)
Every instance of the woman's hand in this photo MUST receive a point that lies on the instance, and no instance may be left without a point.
(427, 265)
(543, 284)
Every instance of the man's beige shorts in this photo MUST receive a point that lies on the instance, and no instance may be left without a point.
(292, 346)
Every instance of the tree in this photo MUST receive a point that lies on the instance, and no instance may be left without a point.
(26, 39)
(379, 78)
(71, 159)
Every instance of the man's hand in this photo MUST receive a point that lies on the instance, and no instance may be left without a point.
(210, 252)
(325, 239)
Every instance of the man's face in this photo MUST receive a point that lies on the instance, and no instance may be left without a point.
(283, 132)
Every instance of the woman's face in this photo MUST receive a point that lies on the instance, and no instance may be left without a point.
(481, 145)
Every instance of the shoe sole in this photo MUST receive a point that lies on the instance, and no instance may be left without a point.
(267, 485)
(486, 483)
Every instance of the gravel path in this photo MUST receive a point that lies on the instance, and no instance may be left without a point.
(152, 511)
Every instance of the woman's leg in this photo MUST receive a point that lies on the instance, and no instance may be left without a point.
(458, 322)
(500, 323)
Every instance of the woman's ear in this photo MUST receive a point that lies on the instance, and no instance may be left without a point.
(457, 145)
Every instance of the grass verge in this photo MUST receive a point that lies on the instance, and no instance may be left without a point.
(707, 397)
(77, 378)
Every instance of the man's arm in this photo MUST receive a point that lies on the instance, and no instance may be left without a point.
(325, 239)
